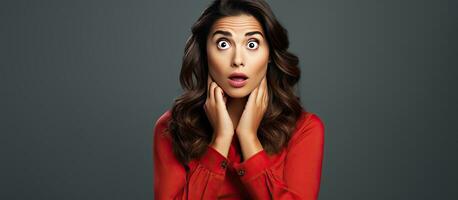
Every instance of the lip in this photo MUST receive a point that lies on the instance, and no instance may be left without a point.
(238, 74)
(238, 83)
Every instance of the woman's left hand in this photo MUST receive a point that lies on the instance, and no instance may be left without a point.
(254, 111)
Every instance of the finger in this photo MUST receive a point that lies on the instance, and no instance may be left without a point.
(266, 87)
(261, 91)
(213, 85)
(252, 98)
(266, 94)
(209, 81)
(224, 95)
(219, 96)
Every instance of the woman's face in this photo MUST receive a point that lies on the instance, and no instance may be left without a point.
(237, 44)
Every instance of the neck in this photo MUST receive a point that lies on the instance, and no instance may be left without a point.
(235, 108)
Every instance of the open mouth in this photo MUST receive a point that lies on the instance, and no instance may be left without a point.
(238, 79)
(238, 82)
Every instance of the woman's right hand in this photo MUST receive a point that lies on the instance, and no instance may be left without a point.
(216, 111)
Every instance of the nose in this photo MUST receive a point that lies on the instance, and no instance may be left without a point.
(237, 59)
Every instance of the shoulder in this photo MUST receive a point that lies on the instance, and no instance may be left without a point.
(164, 118)
(307, 126)
(161, 124)
(309, 120)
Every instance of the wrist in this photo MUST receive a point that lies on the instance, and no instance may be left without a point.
(221, 144)
(221, 138)
(247, 134)
(250, 145)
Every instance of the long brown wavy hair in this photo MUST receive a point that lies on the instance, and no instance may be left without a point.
(189, 127)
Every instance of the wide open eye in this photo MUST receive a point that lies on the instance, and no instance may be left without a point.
(253, 44)
(223, 44)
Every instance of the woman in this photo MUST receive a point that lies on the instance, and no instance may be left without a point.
(238, 131)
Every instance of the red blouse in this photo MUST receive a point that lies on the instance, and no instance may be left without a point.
(293, 173)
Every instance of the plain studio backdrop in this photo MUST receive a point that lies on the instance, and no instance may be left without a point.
(82, 83)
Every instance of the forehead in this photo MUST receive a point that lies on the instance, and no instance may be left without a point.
(238, 23)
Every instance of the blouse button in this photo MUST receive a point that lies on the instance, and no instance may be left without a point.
(224, 164)
(241, 172)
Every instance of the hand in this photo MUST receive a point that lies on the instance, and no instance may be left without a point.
(216, 111)
(254, 111)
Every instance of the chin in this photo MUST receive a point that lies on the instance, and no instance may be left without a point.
(237, 92)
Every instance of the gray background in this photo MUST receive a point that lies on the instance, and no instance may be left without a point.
(82, 83)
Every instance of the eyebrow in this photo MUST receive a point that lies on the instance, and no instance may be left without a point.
(226, 33)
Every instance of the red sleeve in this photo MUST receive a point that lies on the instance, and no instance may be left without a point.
(302, 170)
(170, 178)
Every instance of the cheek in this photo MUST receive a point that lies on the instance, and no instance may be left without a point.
(259, 76)
(259, 70)
(260, 59)
(259, 65)
(216, 65)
